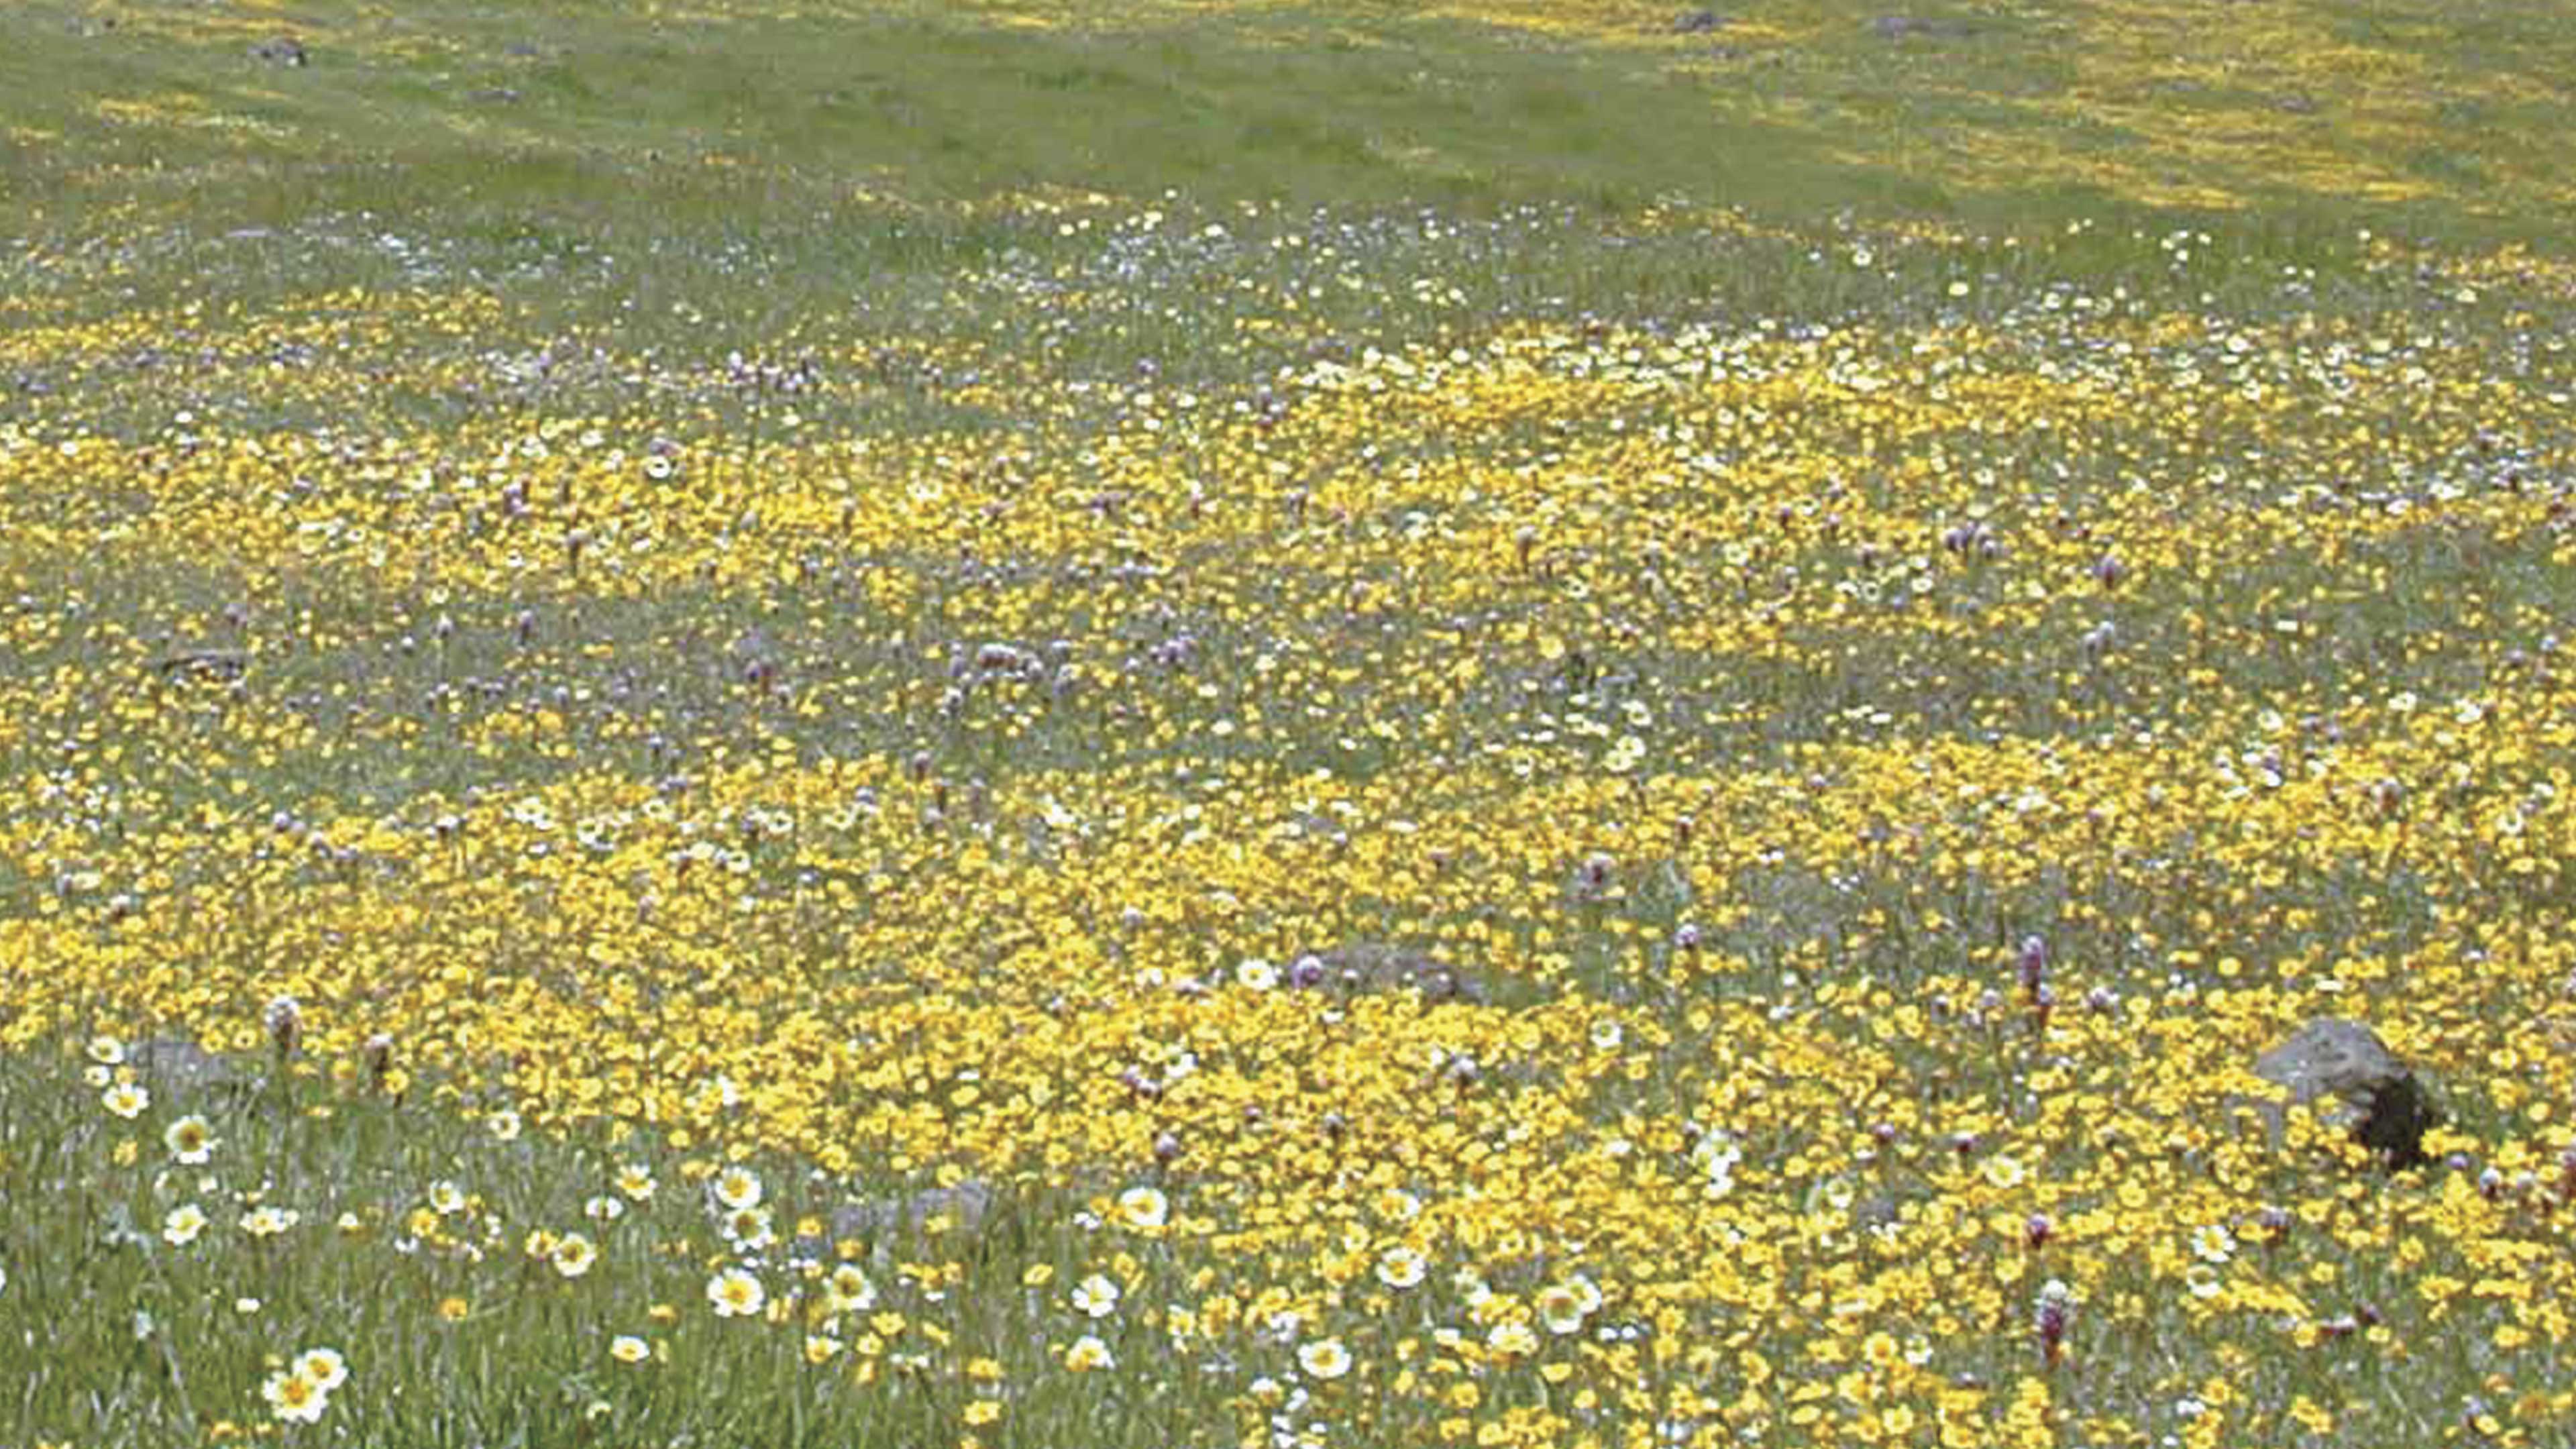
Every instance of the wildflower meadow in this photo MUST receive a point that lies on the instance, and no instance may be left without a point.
(1028, 725)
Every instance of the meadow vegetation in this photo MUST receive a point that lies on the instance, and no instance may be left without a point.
(732, 723)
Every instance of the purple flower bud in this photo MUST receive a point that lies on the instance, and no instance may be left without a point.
(2033, 964)
(2052, 1317)
(284, 1019)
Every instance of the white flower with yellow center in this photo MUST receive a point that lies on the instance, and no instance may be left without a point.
(1401, 1267)
(737, 1188)
(294, 1398)
(1560, 1307)
(1144, 1209)
(190, 1140)
(849, 1290)
(324, 1366)
(573, 1255)
(1325, 1358)
(736, 1294)
(180, 1226)
(268, 1222)
(1095, 1297)
(2213, 1244)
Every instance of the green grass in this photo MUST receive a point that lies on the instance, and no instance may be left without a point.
(498, 122)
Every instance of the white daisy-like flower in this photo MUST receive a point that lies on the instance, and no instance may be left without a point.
(2213, 1244)
(1095, 1297)
(849, 1290)
(2203, 1281)
(324, 1366)
(627, 1348)
(190, 1140)
(1325, 1358)
(573, 1254)
(1401, 1267)
(1144, 1208)
(181, 1225)
(1586, 1291)
(1561, 1308)
(736, 1294)
(1256, 975)
(1397, 1205)
(294, 1398)
(736, 1188)
(125, 1099)
(751, 1228)
(1088, 1353)
(265, 1221)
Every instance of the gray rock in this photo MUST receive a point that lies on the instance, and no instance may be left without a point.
(964, 1206)
(1369, 966)
(1926, 27)
(1700, 22)
(179, 1071)
(284, 50)
(2342, 1070)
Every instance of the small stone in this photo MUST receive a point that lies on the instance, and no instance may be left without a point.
(2349, 1077)
(180, 1070)
(965, 1207)
(1700, 22)
(1367, 966)
(282, 50)
(1903, 27)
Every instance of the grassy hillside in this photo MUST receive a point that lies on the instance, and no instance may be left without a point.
(2434, 118)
